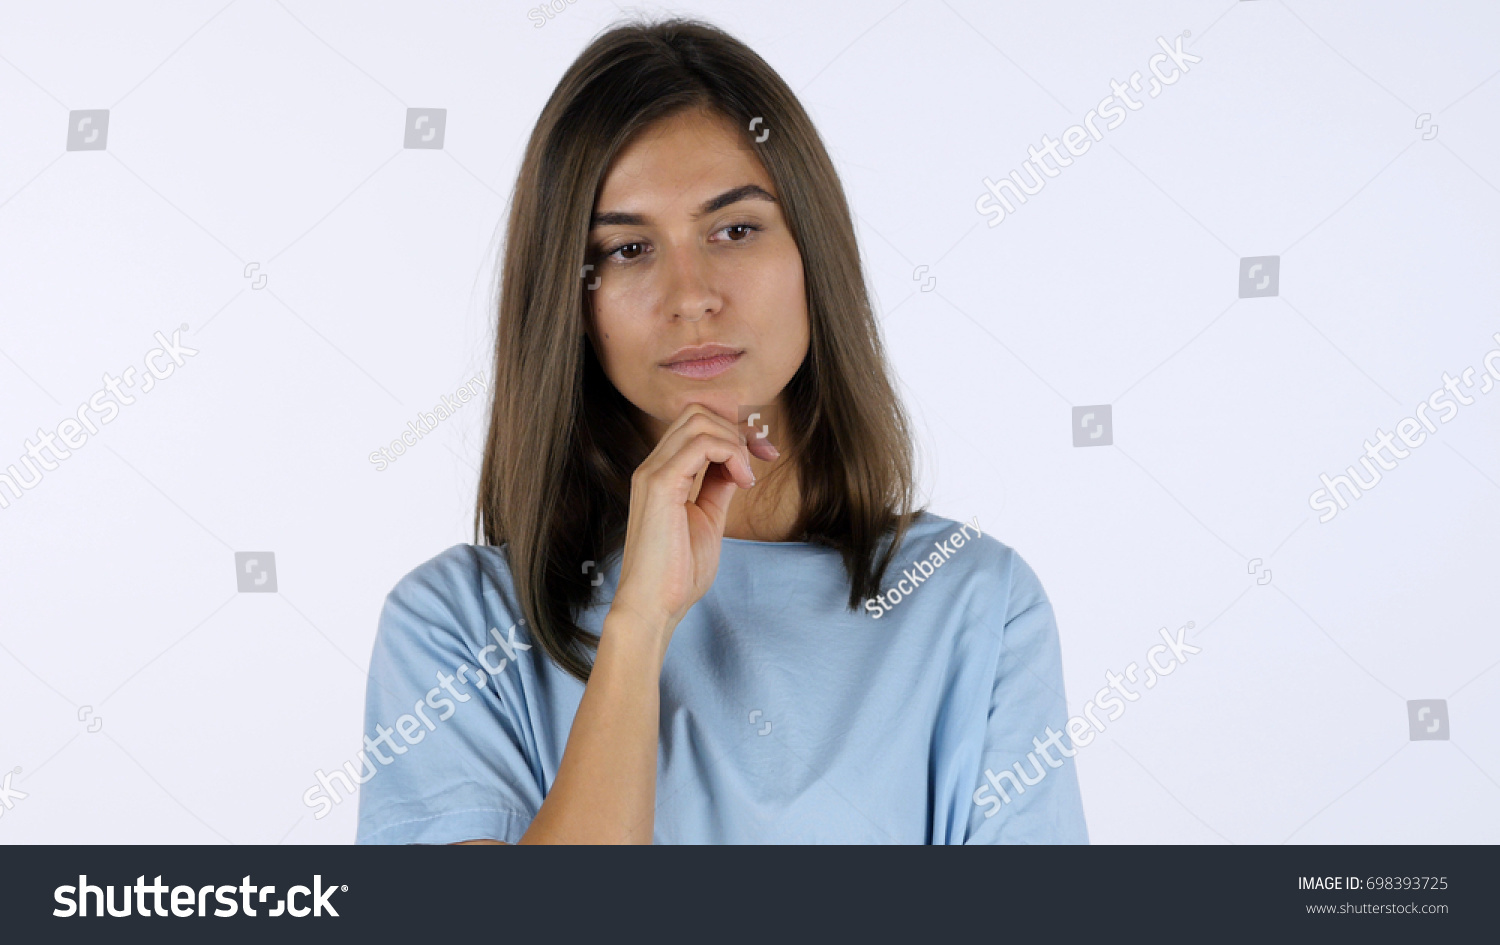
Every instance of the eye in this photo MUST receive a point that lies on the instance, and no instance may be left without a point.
(748, 228)
(625, 252)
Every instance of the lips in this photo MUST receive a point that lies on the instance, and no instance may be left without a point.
(701, 353)
(702, 362)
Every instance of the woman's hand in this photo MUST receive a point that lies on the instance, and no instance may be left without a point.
(671, 551)
(605, 789)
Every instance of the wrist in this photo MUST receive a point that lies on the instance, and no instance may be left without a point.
(630, 630)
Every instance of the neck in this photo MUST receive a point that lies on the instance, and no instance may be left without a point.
(768, 512)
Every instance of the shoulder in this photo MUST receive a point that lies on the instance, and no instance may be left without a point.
(461, 572)
(456, 590)
(995, 571)
(461, 567)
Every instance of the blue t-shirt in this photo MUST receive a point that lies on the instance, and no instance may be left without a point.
(786, 717)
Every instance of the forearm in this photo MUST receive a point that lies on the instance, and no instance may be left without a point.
(605, 789)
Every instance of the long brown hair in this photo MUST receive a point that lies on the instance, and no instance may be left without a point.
(563, 443)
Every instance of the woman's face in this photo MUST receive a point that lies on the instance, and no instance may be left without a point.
(690, 251)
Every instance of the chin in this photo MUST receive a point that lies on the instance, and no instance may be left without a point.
(723, 401)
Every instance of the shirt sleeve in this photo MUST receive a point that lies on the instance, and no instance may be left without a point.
(449, 755)
(1019, 796)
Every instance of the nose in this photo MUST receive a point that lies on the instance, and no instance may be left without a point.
(690, 292)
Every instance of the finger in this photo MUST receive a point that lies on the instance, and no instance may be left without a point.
(715, 497)
(694, 419)
(698, 420)
(709, 447)
(762, 447)
(757, 439)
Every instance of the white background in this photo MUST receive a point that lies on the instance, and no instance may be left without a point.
(271, 133)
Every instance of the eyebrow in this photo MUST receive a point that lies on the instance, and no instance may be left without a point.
(743, 192)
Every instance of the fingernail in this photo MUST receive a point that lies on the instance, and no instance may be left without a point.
(774, 451)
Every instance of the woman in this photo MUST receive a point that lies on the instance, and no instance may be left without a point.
(701, 610)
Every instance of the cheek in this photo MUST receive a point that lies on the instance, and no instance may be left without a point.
(782, 304)
(622, 331)
(624, 306)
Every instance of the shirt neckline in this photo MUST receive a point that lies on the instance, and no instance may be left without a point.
(751, 541)
(920, 520)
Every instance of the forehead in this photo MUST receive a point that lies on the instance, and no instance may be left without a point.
(678, 162)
